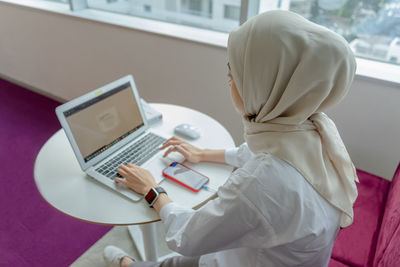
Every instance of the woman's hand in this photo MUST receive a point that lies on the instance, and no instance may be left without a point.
(190, 152)
(136, 178)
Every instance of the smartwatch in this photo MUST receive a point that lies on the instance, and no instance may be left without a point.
(152, 196)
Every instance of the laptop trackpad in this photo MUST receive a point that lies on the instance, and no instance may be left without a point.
(155, 166)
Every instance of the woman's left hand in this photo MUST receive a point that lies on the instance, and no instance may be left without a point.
(136, 178)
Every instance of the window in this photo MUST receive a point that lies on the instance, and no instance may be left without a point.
(59, 1)
(147, 8)
(372, 27)
(231, 12)
(202, 8)
(208, 14)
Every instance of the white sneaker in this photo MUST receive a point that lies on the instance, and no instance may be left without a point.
(113, 255)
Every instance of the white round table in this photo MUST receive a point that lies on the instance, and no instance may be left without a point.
(63, 184)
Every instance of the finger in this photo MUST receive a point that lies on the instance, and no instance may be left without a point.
(168, 140)
(183, 151)
(171, 143)
(124, 168)
(171, 149)
(132, 165)
(119, 180)
(122, 172)
(173, 139)
(177, 139)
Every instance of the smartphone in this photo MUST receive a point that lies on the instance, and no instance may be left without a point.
(185, 176)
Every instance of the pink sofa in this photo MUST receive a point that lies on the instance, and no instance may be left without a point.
(374, 237)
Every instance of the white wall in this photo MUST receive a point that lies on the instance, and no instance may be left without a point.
(369, 122)
(64, 57)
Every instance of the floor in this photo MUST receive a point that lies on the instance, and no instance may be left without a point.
(118, 236)
(32, 233)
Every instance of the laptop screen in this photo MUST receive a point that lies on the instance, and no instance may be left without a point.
(105, 120)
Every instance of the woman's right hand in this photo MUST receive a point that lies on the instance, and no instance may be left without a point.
(190, 152)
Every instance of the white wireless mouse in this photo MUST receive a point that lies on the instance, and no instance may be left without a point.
(187, 130)
(172, 157)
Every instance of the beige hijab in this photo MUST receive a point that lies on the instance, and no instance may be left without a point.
(289, 70)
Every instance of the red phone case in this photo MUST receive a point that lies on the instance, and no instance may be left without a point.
(181, 183)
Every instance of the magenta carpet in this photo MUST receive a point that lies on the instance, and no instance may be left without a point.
(32, 233)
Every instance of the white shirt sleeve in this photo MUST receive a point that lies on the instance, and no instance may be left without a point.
(238, 156)
(222, 223)
(266, 214)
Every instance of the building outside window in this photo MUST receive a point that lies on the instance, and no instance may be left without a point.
(372, 27)
(206, 14)
(201, 8)
(231, 12)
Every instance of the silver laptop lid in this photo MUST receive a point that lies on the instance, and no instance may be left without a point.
(102, 121)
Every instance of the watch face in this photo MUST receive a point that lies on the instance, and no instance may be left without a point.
(150, 196)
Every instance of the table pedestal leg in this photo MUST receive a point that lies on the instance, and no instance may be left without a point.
(145, 239)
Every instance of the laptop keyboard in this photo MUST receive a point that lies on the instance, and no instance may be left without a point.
(137, 153)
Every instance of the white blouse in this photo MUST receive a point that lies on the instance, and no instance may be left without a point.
(266, 214)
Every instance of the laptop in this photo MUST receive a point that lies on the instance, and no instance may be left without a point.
(108, 127)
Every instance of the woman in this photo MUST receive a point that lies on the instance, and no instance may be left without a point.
(295, 183)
